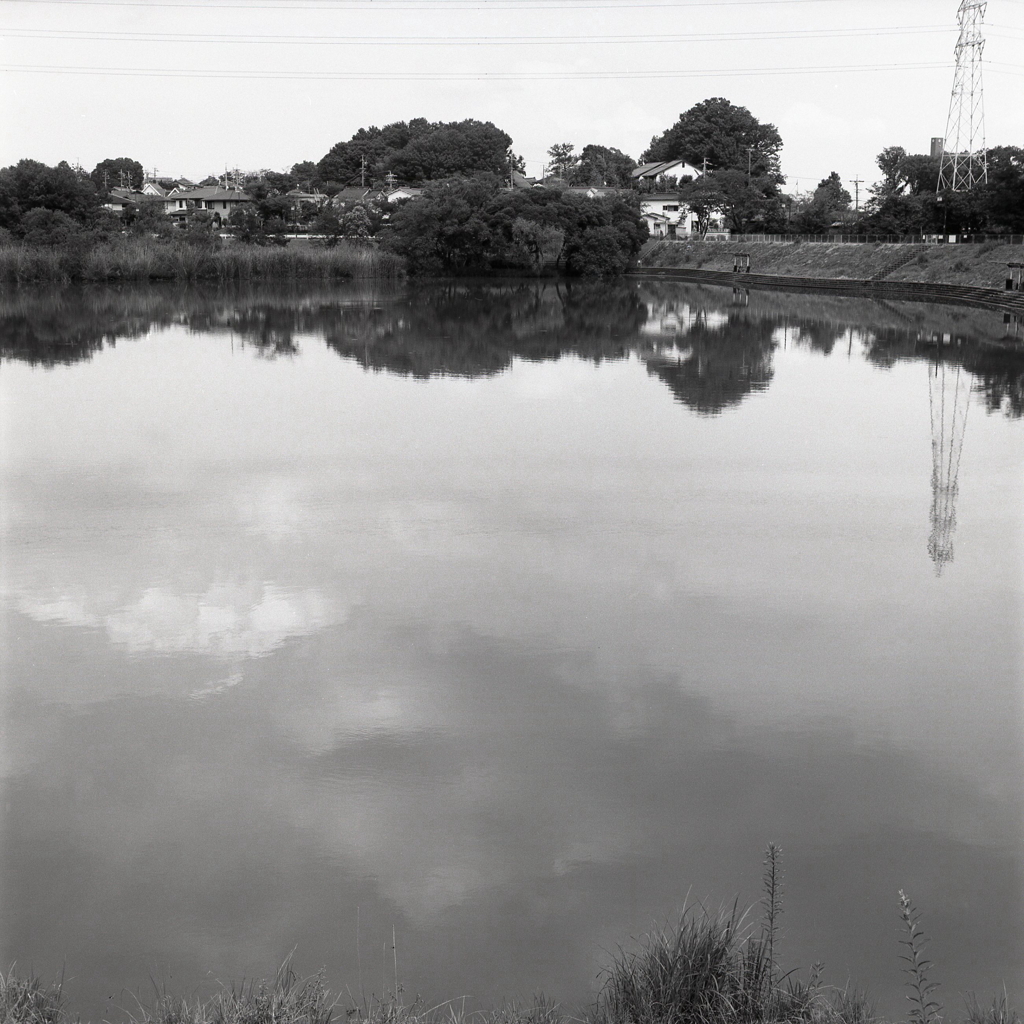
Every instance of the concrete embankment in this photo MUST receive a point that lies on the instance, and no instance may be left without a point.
(974, 274)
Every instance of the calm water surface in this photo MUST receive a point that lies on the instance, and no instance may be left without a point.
(505, 616)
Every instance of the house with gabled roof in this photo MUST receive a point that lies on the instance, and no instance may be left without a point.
(218, 200)
(352, 195)
(664, 169)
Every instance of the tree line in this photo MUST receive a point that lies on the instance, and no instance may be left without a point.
(469, 162)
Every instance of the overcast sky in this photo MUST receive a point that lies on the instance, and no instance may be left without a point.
(192, 87)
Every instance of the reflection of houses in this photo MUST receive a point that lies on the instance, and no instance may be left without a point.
(668, 217)
(218, 200)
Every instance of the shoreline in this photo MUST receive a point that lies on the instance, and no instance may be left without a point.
(955, 274)
(919, 291)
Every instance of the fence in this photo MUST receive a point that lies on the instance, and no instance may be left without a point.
(891, 239)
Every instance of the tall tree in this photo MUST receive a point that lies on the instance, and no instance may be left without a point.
(418, 151)
(563, 159)
(118, 172)
(729, 137)
(601, 165)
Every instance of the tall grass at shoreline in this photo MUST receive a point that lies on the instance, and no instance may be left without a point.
(707, 968)
(146, 259)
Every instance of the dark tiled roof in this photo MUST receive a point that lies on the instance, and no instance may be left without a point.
(212, 192)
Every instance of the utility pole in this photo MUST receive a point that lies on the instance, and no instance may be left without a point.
(857, 182)
(705, 171)
(750, 154)
(362, 172)
(964, 159)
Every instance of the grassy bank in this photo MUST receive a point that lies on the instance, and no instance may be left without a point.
(150, 259)
(722, 968)
(976, 265)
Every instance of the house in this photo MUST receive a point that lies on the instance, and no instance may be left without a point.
(403, 192)
(650, 173)
(351, 196)
(657, 224)
(668, 217)
(218, 200)
(121, 199)
(522, 181)
(594, 191)
(297, 197)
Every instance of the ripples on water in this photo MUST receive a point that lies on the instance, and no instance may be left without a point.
(506, 615)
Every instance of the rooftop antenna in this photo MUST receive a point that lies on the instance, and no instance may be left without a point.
(964, 161)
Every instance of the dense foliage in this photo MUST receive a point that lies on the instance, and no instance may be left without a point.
(906, 200)
(725, 135)
(31, 185)
(468, 225)
(418, 151)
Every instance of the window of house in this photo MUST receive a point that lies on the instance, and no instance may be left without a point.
(671, 209)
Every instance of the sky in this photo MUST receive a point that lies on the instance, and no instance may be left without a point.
(189, 87)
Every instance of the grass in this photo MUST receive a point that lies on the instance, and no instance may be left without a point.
(31, 1001)
(150, 259)
(707, 968)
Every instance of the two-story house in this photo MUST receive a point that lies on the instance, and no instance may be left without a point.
(218, 200)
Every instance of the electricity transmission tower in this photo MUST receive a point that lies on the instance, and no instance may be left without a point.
(964, 162)
(949, 396)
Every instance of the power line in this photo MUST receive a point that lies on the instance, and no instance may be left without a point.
(458, 76)
(451, 40)
(432, 5)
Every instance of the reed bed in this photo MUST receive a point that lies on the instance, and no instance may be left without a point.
(145, 259)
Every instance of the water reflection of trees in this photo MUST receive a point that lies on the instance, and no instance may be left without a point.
(721, 363)
(473, 330)
(711, 346)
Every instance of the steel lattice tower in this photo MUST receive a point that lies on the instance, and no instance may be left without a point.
(949, 397)
(964, 161)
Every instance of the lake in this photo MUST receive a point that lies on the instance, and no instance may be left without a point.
(505, 618)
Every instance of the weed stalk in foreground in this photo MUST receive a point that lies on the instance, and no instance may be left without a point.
(772, 902)
(924, 1009)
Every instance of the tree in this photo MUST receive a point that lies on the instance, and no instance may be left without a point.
(148, 218)
(305, 173)
(470, 225)
(418, 151)
(29, 184)
(726, 135)
(118, 172)
(829, 202)
(600, 165)
(704, 199)
(49, 228)
(328, 225)
(1003, 196)
(563, 159)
